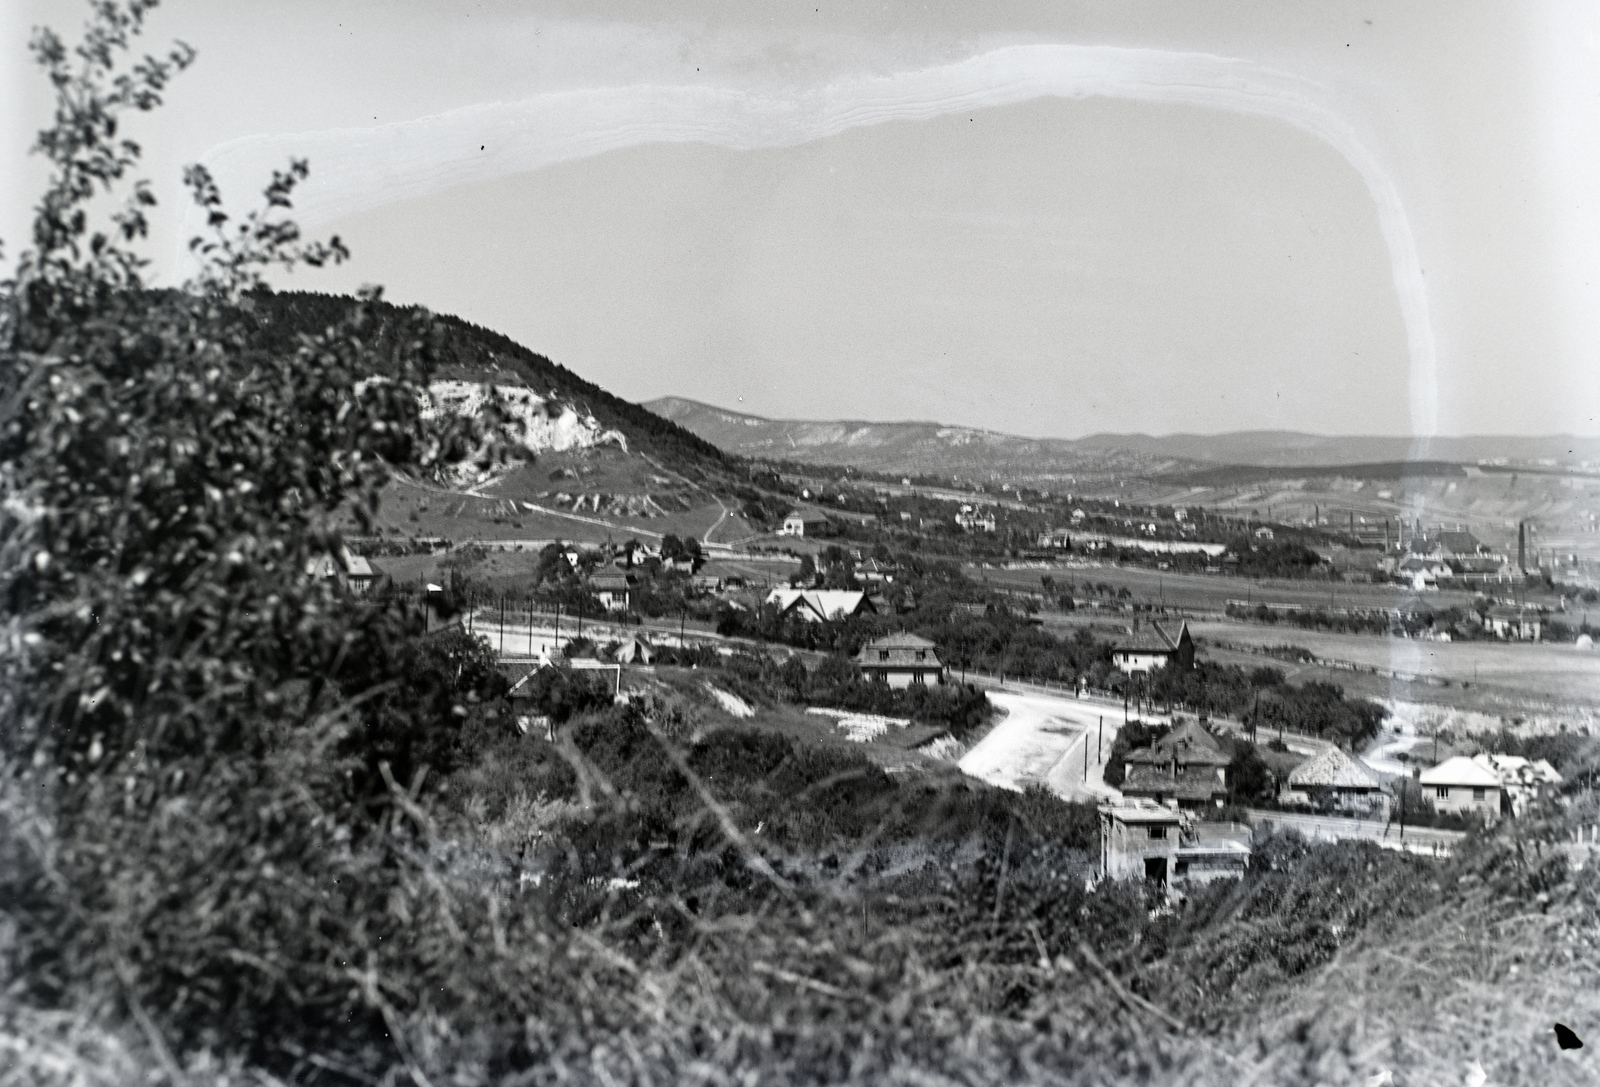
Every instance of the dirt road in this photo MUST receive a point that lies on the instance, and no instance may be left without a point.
(1047, 740)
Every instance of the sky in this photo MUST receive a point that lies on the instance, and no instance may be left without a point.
(1050, 219)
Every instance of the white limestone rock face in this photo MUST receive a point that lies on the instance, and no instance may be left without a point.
(536, 423)
(541, 424)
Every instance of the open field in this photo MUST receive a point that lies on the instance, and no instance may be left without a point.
(415, 509)
(1537, 674)
(1562, 507)
(1207, 592)
(511, 569)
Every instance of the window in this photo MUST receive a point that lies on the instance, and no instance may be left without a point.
(1478, 794)
(922, 655)
(1158, 832)
(1442, 792)
(883, 654)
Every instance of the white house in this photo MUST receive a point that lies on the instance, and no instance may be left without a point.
(973, 519)
(804, 523)
(901, 660)
(1463, 786)
(1149, 651)
(1423, 573)
(820, 605)
(1523, 780)
(347, 568)
(1521, 624)
(614, 591)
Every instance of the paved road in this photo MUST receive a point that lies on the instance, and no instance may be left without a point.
(1047, 740)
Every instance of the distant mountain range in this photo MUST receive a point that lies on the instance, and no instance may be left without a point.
(910, 448)
(936, 449)
(1287, 448)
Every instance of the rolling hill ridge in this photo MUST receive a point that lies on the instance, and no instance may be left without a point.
(597, 466)
(934, 448)
(911, 448)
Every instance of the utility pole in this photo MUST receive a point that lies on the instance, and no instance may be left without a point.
(1100, 744)
(556, 643)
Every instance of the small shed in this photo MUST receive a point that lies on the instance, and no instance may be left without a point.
(636, 650)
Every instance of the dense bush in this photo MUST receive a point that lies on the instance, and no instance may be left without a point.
(1263, 700)
(253, 829)
(835, 682)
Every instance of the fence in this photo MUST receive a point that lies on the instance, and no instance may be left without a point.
(1425, 840)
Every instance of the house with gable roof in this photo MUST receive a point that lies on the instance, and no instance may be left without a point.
(901, 660)
(346, 567)
(1523, 781)
(821, 605)
(1461, 786)
(1334, 780)
(1186, 768)
(1154, 648)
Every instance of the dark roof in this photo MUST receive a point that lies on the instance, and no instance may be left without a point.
(902, 650)
(1155, 640)
(609, 582)
(1150, 781)
(1457, 543)
(1189, 744)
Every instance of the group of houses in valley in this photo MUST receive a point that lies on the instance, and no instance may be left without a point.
(1454, 558)
(1156, 829)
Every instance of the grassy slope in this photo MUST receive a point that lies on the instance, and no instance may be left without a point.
(947, 937)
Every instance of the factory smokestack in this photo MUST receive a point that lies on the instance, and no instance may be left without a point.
(1522, 546)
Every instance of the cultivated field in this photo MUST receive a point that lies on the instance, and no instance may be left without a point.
(1207, 592)
(1503, 674)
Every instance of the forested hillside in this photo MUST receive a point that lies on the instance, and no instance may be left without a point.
(469, 352)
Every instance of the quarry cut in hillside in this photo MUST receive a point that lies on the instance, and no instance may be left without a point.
(539, 423)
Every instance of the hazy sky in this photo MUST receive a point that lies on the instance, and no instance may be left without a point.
(1048, 219)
